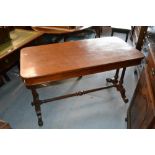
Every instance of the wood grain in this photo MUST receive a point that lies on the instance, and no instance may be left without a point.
(53, 62)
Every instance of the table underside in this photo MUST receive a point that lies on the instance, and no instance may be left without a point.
(115, 82)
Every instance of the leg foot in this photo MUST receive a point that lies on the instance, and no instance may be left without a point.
(126, 119)
(126, 100)
(36, 103)
(121, 89)
(135, 72)
(40, 122)
(120, 86)
(32, 103)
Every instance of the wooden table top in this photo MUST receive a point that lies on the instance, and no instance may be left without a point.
(19, 38)
(53, 62)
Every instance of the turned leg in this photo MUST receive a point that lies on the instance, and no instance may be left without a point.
(36, 103)
(120, 86)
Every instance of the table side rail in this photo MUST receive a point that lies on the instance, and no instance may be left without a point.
(80, 72)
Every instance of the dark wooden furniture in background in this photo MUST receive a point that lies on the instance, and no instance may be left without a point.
(141, 112)
(66, 29)
(41, 65)
(65, 33)
(9, 50)
(138, 34)
(4, 34)
(98, 30)
(59, 29)
(125, 30)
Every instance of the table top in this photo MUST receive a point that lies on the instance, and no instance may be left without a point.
(46, 63)
(19, 38)
(59, 29)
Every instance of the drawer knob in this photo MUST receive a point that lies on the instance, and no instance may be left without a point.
(153, 71)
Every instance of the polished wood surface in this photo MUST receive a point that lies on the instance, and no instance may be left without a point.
(41, 64)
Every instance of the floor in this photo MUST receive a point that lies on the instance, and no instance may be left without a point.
(99, 110)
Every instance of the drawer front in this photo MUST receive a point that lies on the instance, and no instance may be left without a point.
(151, 71)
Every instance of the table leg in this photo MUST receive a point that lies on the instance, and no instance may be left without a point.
(36, 103)
(120, 86)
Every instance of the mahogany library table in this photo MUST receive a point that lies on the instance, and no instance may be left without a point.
(42, 65)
